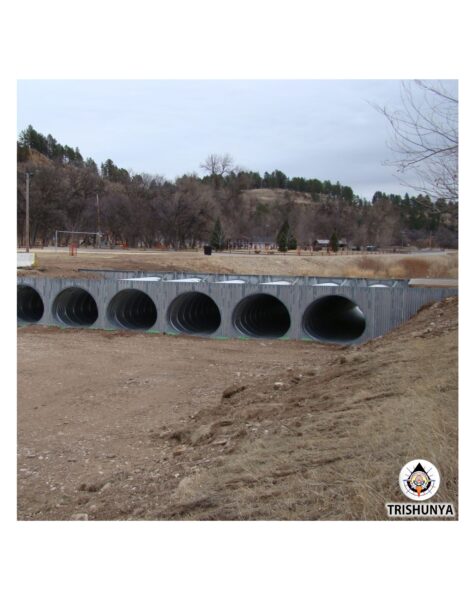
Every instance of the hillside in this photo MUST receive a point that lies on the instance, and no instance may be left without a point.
(68, 192)
(269, 196)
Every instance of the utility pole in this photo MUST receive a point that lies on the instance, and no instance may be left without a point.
(98, 209)
(27, 212)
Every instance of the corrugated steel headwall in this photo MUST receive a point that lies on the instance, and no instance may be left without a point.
(325, 309)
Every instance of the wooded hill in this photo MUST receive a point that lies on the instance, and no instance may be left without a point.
(68, 192)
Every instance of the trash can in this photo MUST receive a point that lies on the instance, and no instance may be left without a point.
(208, 250)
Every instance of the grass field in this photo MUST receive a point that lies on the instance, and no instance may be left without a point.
(392, 266)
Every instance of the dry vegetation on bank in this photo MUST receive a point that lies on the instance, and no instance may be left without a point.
(112, 426)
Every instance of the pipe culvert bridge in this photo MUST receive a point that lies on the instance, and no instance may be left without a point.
(336, 310)
(132, 309)
(30, 307)
(194, 313)
(334, 319)
(75, 307)
(261, 315)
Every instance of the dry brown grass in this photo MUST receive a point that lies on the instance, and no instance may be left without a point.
(390, 266)
(331, 444)
(417, 267)
(404, 267)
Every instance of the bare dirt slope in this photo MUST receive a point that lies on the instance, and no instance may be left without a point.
(136, 426)
(437, 265)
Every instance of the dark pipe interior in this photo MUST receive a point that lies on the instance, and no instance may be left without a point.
(334, 319)
(30, 307)
(76, 307)
(132, 309)
(261, 315)
(194, 313)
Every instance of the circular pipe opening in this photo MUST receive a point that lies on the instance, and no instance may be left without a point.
(30, 307)
(132, 309)
(261, 315)
(334, 319)
(194, 313)
(75, 307)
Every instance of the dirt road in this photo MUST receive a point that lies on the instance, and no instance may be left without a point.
(116, 425)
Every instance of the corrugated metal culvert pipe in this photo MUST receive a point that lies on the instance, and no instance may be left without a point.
(132, 309)
(30, 307)
(261, 315)
(334, 319)
(194, 313)
(75, 307)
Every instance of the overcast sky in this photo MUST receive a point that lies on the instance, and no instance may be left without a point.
(326, 129)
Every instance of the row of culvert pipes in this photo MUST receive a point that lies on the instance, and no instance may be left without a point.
(341, 314)
(331, 318)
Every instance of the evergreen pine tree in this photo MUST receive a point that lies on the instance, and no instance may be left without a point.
(217, 237)
(283, 237)
(334, 244)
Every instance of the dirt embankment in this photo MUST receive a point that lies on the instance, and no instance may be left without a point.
(134, 426)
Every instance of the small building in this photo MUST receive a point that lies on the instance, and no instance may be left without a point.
(324, 244)
(320, 244)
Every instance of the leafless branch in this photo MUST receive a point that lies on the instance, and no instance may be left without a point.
(425, 138)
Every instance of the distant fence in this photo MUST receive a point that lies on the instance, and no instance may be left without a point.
(256, 250)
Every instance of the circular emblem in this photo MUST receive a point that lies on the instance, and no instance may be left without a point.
(419, 479)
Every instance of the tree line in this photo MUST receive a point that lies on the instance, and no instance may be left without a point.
(68, 192)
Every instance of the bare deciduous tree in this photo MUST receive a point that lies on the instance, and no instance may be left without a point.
(184, 213)
(218, 165)
(425, 137)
